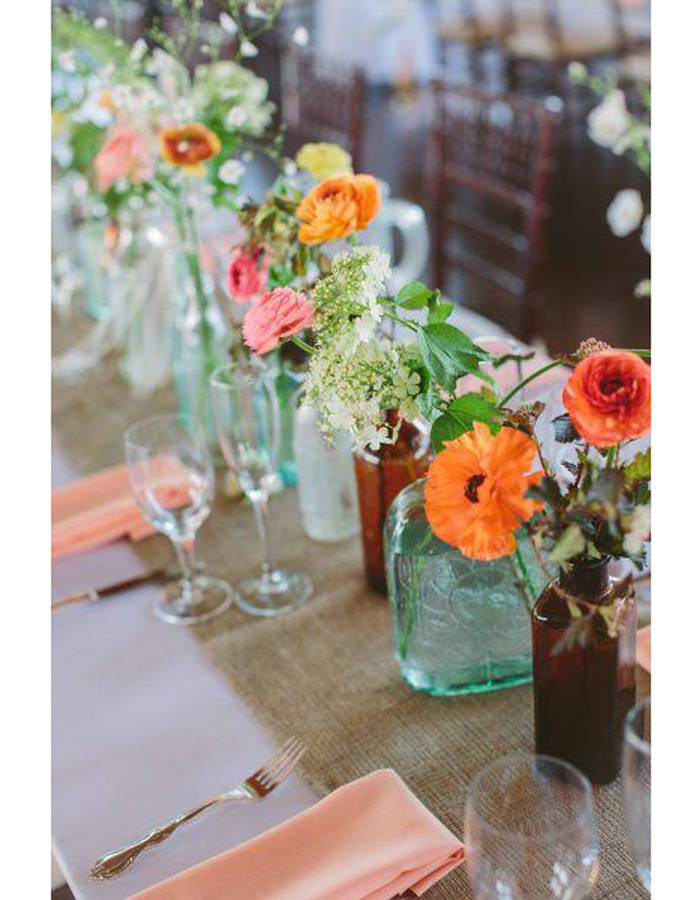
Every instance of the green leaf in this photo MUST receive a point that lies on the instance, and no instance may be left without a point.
(414, 295)
(547, 490)
(460, 416)
(564, 430)
(606, 488)
(570, 544)
(439, 311)
(449, 353)
(638, 469)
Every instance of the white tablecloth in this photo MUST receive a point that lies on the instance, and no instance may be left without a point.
(143, 728)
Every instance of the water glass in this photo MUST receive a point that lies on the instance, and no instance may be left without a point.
(636, 781)
(172, 476)
(248, 424)
(531, 832)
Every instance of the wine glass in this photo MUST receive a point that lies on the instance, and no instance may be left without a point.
(247, 417)
(172, 476)
(636, 781)
(531, 831)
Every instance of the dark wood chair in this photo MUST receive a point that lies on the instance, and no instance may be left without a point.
(537, 37)
(322, 100)
(491, 168)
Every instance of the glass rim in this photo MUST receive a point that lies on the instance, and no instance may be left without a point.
(177, 417)
(254, 364)
(638, 743)
(587, 811)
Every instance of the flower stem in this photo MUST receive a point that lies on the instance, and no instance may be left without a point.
(530, 378)
(295, 339)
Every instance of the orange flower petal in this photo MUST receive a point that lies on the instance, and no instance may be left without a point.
(475, 491)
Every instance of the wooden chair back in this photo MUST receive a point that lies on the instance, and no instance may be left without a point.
(322, 100)
(492, 160)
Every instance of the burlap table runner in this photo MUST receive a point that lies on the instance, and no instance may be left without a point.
(326, 672)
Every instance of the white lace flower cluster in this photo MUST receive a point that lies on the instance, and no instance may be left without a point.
(234, 93)
(347, 299)
(354, 377)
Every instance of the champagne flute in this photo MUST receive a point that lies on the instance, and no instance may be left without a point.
(247, 417)
(172, 476)
(636, 780)
(531, 831)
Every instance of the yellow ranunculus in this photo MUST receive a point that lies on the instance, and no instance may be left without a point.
(323, 160)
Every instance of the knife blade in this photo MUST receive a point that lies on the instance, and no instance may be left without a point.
(93, 595)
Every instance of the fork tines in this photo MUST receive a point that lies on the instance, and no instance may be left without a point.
(277, 767)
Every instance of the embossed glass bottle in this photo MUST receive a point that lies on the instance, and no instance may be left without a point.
(459, 625)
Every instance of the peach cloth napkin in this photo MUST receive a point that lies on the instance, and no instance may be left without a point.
(371, 839)
(94, 511)
(643, 648)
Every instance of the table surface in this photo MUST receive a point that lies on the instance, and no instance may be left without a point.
(145, 727)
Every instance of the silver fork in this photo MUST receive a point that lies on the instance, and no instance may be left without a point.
(255, 787)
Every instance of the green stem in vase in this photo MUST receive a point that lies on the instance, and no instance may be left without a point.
(524, 579)
(411, 607)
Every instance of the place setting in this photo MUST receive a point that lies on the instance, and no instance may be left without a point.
(351, 524)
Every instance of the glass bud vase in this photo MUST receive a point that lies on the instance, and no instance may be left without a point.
(460, 626)
(287, 380)
(583, 689)
(199, 347)
(326, 482)
(381, 476)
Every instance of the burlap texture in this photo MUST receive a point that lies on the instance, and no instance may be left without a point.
(327, 672)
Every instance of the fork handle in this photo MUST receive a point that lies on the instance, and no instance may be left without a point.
(112, 864)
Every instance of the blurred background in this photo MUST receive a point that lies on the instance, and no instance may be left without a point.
(517, 216)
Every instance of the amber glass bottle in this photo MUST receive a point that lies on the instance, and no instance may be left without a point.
(582, 693)
(381, 476)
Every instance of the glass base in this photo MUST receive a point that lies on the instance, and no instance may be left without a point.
(471, 680)
(209, 598)
(273, 595)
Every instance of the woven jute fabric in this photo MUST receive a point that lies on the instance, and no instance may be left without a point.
(326, 672)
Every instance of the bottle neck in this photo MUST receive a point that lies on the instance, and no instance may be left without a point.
(588, 580)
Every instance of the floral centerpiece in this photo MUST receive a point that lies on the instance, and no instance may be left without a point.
(171, 130)
(612, 125)
(490, 484)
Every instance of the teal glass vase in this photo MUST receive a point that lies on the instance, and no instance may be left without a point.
(460, 626)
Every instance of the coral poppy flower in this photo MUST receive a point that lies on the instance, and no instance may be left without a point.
(248, 274)
(337, 207)
(475, 491)
(189, 146)
(123, 155)
(276, 315)
(608, 397)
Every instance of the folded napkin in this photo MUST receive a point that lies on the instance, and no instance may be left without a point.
(369, 840)
(643, 648)
(94, 511)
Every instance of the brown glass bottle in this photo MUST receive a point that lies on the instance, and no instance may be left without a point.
(381, 476)
(582, 694)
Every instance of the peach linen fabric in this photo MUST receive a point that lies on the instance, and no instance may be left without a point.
(643, 648)
(371, 839)
(94, 511)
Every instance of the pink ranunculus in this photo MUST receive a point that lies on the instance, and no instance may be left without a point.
(123, 155)
(247, 275)
(276, 315)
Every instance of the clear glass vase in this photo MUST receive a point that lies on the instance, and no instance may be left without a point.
(459, 625)
(201, 336)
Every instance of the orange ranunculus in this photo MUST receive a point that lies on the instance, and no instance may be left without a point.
(608, 397)
(475, 491)
(188, 146)
(337, 207)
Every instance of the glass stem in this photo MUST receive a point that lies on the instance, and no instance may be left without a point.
(184, 550)
(260, 508)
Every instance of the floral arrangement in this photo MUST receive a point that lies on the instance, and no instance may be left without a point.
(490, 476)
(611, 125)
